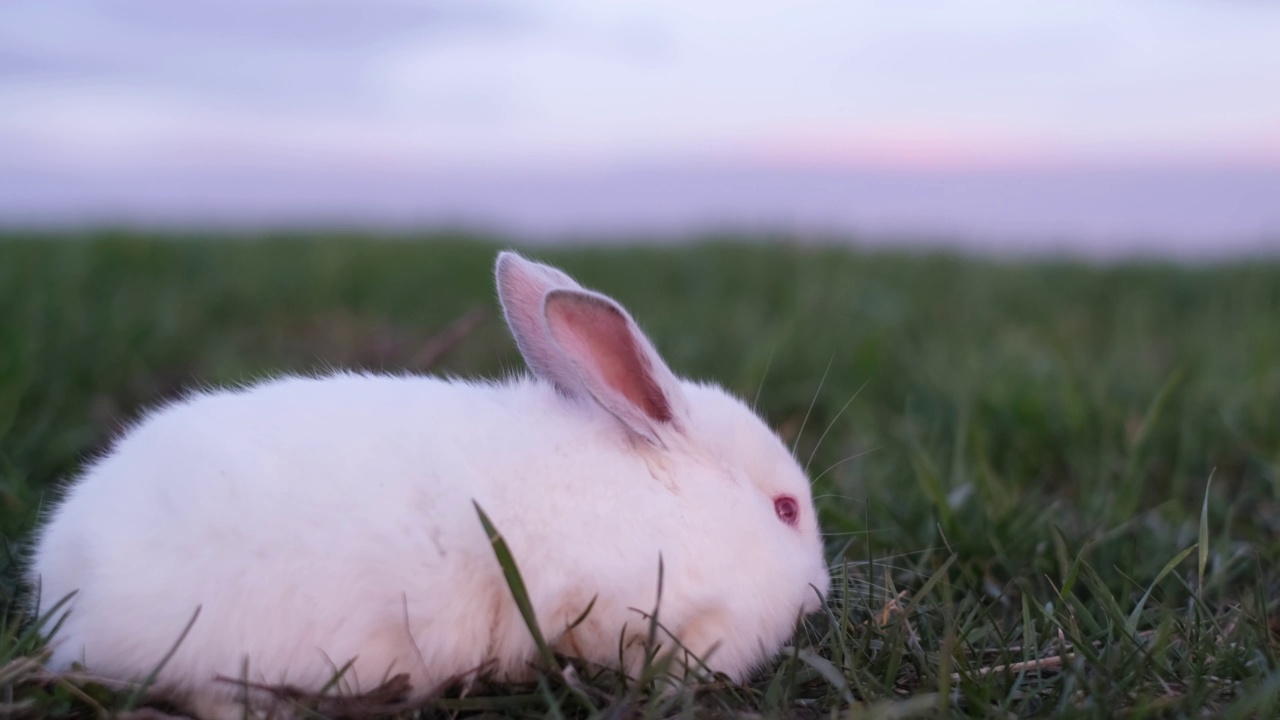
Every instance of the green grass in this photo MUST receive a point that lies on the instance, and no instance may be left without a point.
(1027, 525)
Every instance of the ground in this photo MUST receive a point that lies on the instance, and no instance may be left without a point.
(1050, 489)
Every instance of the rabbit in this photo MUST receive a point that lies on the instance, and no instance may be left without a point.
(296, 524)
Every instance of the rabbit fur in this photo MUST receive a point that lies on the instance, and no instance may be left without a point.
(298, 523)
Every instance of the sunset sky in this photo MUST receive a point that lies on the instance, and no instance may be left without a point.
(270, 110)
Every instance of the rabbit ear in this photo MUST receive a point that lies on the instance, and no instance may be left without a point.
(522, 286)
(614, 362)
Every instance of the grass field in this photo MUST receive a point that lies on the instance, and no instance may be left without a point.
(1054, 493)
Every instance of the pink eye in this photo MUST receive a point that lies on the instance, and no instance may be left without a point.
(787, 508)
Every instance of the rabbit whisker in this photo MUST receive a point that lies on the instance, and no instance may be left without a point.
(838, 496)
(850, 533)
(838, 463)
(755, 401)
(832, 424)
(814, 401)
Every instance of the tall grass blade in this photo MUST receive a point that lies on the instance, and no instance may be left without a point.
(1203, 560)
(1131, 625)
(138, 692)
(515, 583)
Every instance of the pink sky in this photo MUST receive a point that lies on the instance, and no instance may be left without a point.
(156, 112)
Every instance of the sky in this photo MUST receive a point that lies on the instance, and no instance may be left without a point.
(1146, 124)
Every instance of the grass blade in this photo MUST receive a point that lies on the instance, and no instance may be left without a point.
(1131, 625)
(1203, 560)
(515, 583)
(136, 696)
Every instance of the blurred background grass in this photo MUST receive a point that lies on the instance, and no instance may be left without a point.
(994, 400)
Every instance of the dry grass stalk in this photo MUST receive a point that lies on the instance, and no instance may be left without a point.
(447, 339)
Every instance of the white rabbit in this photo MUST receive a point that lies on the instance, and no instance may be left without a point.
(314, 521)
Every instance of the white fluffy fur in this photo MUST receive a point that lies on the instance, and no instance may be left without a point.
(317, 520)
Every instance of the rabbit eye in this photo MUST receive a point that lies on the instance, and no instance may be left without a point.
(787, 508)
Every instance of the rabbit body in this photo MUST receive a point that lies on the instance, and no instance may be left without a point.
(300, 523)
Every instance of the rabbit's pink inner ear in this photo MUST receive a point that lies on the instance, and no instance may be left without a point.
(599, 337)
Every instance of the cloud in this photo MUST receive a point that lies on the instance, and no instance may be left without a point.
(304, 55)
(469, 81)
(178, 97)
